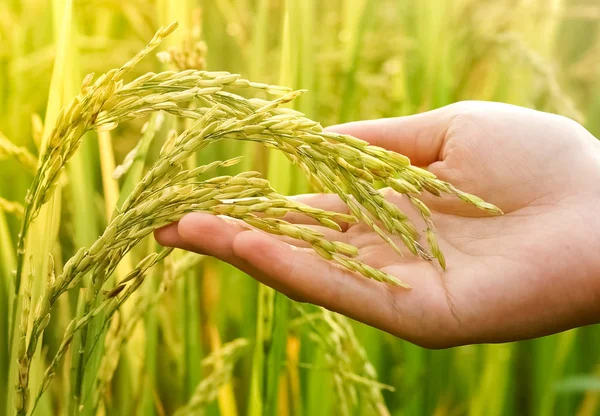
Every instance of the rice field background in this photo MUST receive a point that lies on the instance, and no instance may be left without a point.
(201, 337)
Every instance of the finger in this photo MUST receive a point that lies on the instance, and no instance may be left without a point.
(204, 234)
(168, 236)
(420, 137)
(211, 235)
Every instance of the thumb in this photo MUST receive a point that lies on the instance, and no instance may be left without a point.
(420, 137)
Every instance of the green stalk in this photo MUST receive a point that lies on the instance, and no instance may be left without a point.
(273, 308)
(259, 39)
(36, 238)
(255, 155)
(371, 340)
(135, 172)
(490, 399)
(304, 64)
(564, 344)
(319, 397)
(361, 12)
(466, 362)
(55, 101)
(150, 379)
(238, 317)
(78, 347)
(413, 376)
(7, 265)
(127, 369)
(190, 326)
(590, 337)
(86, 229)
(190, 362)
(263, 326)
(276, 355)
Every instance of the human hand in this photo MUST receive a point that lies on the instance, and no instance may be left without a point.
(532, 272)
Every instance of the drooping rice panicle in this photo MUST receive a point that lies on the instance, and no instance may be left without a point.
(302, 140)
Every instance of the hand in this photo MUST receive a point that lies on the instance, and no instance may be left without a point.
(532, 272)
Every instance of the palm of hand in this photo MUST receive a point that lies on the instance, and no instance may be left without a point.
(508, 277)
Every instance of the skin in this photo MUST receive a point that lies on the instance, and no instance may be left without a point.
(532, 272)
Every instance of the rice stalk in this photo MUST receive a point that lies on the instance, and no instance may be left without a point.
(358, 14)
(222, 362)
(132, 169)
(490, 395)
(353, 374)
(564, 345)
(86, 228)
(110, 185)
(7, 265)
(65, 138)
(110, 304)
(122, 333)
(273, 307)
(33, 250)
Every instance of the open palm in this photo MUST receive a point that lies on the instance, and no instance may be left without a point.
(531, 272)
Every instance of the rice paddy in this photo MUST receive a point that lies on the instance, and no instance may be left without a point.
(97, 318)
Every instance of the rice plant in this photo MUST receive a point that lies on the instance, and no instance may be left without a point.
(100, 320)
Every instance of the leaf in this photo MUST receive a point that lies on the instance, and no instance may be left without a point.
(578, 384)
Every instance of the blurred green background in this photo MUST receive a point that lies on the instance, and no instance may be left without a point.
(359, 59)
